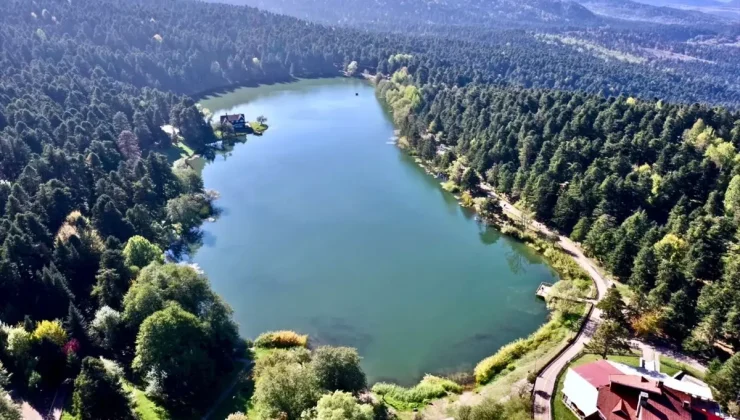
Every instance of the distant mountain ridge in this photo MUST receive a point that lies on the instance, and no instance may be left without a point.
(397, 13)
(640, 11)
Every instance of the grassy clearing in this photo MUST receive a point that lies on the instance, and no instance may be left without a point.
(595, 49)
(671, 366)
(178, 151)
(559, 410)
(429, 388)
(144, 408)
(553, 333)
(258, 127)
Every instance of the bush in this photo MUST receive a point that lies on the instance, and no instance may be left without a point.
(338, 369)
(429, 388)
(450, 186)
(342, 406)
(285, 390)
(19, 342)
(298, 355)
(281, 340)
(493, 365)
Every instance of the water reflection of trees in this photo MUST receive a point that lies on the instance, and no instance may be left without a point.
(487, 235)
(516, 261)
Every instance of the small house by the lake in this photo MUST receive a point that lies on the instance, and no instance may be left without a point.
(236, 120)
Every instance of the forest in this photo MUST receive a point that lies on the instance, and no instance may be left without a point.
(89, 202)
(650, 189)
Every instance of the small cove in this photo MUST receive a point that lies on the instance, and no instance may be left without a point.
(329, 230)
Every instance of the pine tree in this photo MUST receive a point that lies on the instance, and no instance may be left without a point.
(76, 327)
(98, 395)
(613, 307)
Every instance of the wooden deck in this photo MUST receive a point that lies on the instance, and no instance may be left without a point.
(544, 290)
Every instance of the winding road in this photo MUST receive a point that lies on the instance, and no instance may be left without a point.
(545, 383)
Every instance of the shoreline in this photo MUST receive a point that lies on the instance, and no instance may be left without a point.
(548, 348)
(559, 351)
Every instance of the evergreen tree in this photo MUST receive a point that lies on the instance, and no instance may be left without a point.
(98, 395)
(613, 306)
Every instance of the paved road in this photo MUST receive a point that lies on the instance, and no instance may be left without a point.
(653, 352)
(544, 386)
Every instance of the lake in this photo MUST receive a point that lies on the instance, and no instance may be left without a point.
(329, 229)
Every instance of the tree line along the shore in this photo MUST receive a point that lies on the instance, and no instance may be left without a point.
(88, 201)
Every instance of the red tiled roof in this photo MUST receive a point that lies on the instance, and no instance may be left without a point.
(231, 117)
(667, 405)
(620, 408)
(597, 373)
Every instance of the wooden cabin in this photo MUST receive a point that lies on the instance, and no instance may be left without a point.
(236, 120)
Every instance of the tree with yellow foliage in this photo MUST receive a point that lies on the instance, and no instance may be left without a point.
(51, 331)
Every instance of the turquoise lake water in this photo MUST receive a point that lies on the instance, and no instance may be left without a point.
(327, 228)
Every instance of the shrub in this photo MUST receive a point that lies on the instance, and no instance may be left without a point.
(338, 369)
(493, 365)
(429, 388)
(342, 406)
(285, 390)
(450, 186)
(298, 355)
(462, 378)
(8, 410)
(281, 340)
(105, 326)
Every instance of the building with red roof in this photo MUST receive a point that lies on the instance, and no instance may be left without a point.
(601, 390)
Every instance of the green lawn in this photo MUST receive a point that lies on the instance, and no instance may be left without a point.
(145, 408)
(559, 410)
(257, 127)
(178, 151)
(671, 366)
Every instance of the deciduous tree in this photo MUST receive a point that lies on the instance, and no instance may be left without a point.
(338, 369)
(610, 337)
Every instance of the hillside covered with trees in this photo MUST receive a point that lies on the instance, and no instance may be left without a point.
(88, 202)
(650, 189)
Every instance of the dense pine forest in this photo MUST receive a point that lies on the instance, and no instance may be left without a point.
(88, 201)
(650, 189)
